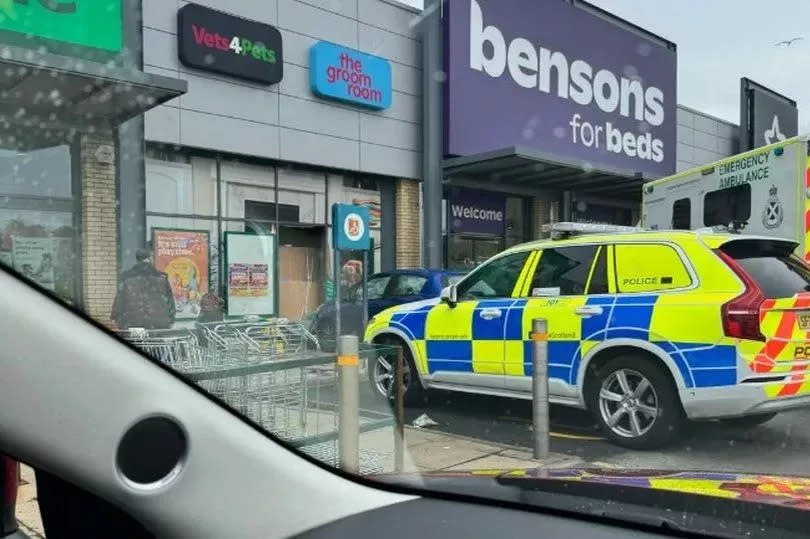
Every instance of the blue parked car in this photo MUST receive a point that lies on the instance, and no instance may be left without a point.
(384, 290)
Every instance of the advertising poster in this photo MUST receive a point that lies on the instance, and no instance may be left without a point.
(33, 258)
(250, 260)
(183, 256)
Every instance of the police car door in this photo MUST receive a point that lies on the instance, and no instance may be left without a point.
(569, 287)
(464, 343)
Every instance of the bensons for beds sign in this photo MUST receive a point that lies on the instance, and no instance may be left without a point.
(560, 78)
(345, 74)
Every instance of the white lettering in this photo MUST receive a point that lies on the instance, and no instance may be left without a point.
(551, 71)
(609, 102)
(479, 35)
(522, 59)
(559, 62)
(654, 98)
(468, 212)
(581, 89)
(632, 88)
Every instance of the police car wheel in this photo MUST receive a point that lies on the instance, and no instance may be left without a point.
(381, 376)
(636, 403)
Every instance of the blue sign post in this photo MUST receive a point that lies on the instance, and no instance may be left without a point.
(350, 233)
(350, 75)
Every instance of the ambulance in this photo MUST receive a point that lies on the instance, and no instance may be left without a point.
(765, 192)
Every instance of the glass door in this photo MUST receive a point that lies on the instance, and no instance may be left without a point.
(465, 253)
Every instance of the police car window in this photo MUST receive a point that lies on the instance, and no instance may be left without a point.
(495, 279)
(407, 285)
(567, 268)
(727, 205)
(682, 214)
(649, 267)
(599, 279)
(771, 265)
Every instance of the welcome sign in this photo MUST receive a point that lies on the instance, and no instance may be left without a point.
(556, 77)
(350, 75)
(476, 212)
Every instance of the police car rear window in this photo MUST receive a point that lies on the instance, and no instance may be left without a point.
(772, 266)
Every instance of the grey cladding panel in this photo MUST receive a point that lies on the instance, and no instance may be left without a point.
(319, 118)
(308, 20)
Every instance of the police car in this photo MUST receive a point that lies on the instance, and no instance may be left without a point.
(645, 330)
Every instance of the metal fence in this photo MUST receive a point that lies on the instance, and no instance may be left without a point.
(276, 374)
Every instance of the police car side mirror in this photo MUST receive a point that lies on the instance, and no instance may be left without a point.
(449, 295)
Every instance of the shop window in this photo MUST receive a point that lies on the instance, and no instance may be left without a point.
(682, 214)
(726, 206)
(495, 279)
(516, 212)
(40, 246)
(40, 172)
(366, 183)
(266, 211)
(407, 285)
(649, 267)
(168, 187)
(567, 268)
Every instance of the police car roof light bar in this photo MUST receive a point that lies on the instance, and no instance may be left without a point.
(569, 229)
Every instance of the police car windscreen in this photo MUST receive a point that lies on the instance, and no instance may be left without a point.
(772, 266)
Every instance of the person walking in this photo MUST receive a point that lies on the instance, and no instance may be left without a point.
(144, 298)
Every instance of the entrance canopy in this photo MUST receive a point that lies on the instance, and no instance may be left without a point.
(528, 167)
(52, 92)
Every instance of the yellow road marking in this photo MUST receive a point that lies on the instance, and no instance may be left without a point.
(576, 437)
(563, 435)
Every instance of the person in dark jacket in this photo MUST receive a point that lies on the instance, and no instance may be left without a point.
(144, 298)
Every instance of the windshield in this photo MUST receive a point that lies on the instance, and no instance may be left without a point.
(208, 179)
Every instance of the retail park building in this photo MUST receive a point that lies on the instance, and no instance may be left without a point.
(163, 120)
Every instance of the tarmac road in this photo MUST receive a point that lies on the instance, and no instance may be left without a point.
(781, 446)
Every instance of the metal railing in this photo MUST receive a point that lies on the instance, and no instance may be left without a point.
(279, 377)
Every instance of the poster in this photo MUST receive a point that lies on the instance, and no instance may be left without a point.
(33, 259)
(183, 256)
(250, 260)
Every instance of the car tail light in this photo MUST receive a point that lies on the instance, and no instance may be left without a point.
(741, 314)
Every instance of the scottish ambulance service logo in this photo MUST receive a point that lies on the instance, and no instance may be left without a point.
(774, 213)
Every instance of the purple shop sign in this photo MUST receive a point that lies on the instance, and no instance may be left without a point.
(550, 76)
(476, 212)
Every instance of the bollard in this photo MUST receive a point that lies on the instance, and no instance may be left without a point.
(540, 420)
(348, 403)
(399, 404)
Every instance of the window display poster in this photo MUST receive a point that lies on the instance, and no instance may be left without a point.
(183, 256)
(34, 259)
(250, 261)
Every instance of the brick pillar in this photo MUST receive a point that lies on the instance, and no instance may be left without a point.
(99, 226)
(408, 214)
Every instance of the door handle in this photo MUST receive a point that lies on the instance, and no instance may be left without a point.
(588, 310)
(489, 314)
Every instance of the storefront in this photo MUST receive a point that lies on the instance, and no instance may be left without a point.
(265, 142)
(539, 107)
(480, 224)
(72, 81)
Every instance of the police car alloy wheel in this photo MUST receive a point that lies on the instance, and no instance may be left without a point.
(636, 403)
(628, 403)
(381, 375)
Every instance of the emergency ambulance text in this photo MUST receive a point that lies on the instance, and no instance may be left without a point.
(744, 170)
